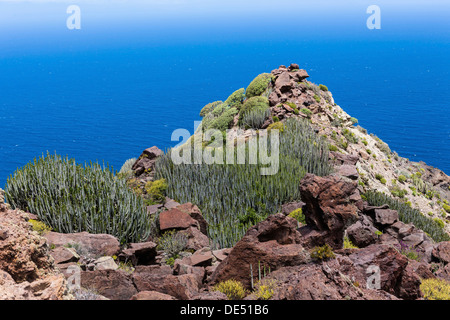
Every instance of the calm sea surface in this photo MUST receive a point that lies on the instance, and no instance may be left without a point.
(116, 87)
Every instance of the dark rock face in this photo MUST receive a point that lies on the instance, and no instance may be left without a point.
(362, 234)
(146, 161)
(442, 252)
(143, 253)
(331, 205)
(273, 243)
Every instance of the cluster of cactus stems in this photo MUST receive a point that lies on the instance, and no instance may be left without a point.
(227, 193)
(407, 214)
(70, 197)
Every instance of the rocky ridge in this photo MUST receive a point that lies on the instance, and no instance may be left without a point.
(395, 255)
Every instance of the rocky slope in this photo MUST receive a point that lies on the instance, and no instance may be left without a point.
(343, 247)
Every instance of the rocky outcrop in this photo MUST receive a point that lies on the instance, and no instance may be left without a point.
(331, 206)
(145, 164)
(273, 243)
(27, 271)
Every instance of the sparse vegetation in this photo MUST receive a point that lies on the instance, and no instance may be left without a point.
(234, 290)
(435, 289)
(322, 253)
(407, 214)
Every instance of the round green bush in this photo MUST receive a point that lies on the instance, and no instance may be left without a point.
(258, 85)
(70, 197)
(236, 98)
(253, 104)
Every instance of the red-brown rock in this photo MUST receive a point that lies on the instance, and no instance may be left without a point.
(195, 214)
(143, 253)
(272, 243)
(96, 245)
(441, 252)
(329, 206)
(176, 219)
(112, 284)
(151, 295)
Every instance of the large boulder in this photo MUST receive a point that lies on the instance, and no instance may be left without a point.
(195, 214)
(362, 233)
(331, 205)
(392, 267)
(161, 279)
(112, 284)
(147, 160)
(175, 219)
(272, 243)
(94, 245)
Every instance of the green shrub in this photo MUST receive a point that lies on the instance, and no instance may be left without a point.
(258, 85)
(255, 118)
(446, 207)
(306, 112)
(252, 104)
(209, 107)
(348, 244)
(275, 119)
(40, 227)
(265, 289)
(332, 147)
(439, 222)
(398, 192)
(350, 136)
(383, 147)
(70, 197)
(172, 243)
(323, 87)
(298, 215)
(407, 214)
(378, 176)
(224, 121)
(402, 179)
(234, 290)
(156, 190)
(354, 120)
(276, 125)
(322, 253)
(317, 98)
(435, 289)
(236, 98)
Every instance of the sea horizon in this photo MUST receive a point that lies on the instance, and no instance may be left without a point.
(135, 72)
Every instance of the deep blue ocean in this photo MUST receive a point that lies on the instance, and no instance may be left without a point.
(136, 72)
